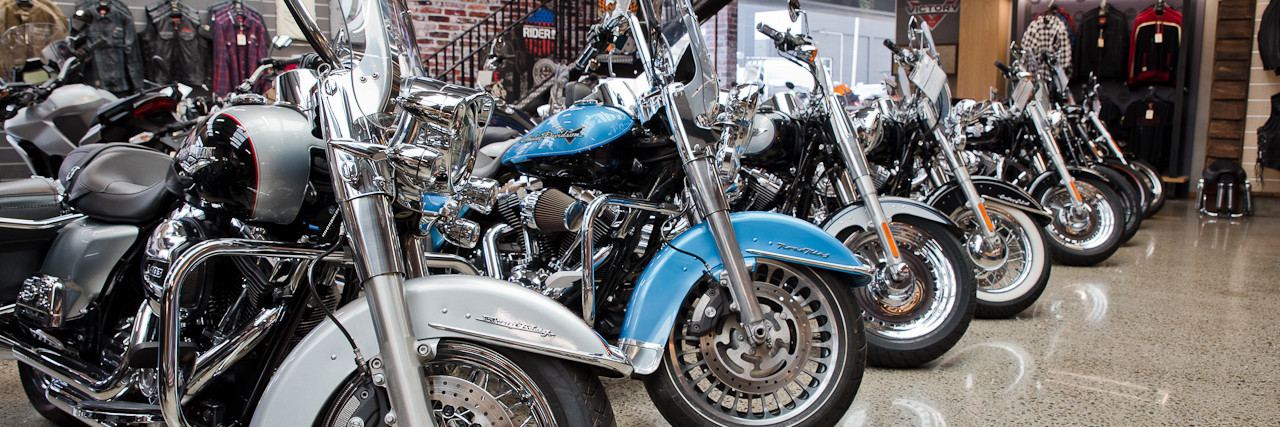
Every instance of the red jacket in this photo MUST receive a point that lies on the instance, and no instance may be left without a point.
(1153, 49)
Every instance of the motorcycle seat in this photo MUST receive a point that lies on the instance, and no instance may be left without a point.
(489, 160)
(496, 134)
(120, 183)
(1223, 170)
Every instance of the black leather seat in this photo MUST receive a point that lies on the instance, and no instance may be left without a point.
(1223, 170)
(118, 182)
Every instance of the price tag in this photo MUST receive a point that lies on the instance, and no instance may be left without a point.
(1151, 114)
(241, 40)
(1159, 37)
(1102, 42)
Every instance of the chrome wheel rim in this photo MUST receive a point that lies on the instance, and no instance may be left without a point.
(742, 385)
(468, 386)
(932, 296)
(1016, 269)
(1092, 230)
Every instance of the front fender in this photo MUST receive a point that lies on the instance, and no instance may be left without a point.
(1050, 179)
(470, 308)
(950, 197)
(857, 215)
(667, 279)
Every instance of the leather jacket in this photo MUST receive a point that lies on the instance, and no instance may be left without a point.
(115, 64)
(1269, 137)
(1269, 37)
(173, 34)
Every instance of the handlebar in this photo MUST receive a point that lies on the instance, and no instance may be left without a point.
(784, 41)
(598, 39)
(893, 47)
(1007, 70)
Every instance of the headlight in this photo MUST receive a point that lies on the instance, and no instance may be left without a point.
(435, 141)
(868, 125)
(733, 114)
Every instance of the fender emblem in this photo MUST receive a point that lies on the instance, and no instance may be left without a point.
(516, 325)
(1012, 200)
(803, 250)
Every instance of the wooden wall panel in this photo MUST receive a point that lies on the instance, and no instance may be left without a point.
(1231, 72)
(984, 39)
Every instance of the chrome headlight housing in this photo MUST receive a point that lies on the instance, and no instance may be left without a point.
(435, 143)
(733, 115)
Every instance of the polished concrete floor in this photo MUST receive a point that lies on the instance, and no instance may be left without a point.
(1181, 326)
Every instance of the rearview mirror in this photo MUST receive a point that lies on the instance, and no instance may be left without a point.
(793, 9)
(281, 41)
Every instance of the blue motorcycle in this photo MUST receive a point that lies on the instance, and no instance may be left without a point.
(616, 208)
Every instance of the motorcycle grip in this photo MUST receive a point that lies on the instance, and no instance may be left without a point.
(1004, 68)
(893, 47)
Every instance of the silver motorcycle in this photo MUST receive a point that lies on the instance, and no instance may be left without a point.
(277, 270)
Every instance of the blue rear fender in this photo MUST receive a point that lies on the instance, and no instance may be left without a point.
(667, 279)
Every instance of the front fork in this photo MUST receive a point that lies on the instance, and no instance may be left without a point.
(711, 205)
(986, 243)
(363, 189)
(1041, 123)
(1105, 136)
(860, 175)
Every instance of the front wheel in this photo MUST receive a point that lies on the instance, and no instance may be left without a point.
(916, 321)
(1127, 187)
(805, 373)
(1009, 284)
(1153, 182)
(471, 385)
(1090, 235)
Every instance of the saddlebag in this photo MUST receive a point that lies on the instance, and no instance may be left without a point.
(22, 250)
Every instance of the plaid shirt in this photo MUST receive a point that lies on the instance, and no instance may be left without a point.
(1046, 34)
(232, 61)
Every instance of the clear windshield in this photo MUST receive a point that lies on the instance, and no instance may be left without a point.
(693, 67)
(24, 42)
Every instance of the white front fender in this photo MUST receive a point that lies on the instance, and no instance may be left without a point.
(470, 308)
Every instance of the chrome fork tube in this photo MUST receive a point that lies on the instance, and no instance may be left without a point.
(856, 165)
(1050, 144)
(1106, 137)
(709, 199)
(961, 173)
(361, 182)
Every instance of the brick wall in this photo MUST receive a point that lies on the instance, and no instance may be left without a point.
(722, 35)
(436, 22)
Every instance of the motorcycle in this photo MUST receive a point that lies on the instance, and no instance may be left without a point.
(45, 120)
(274, 271)
(919, 154)
(1016, 144)
(809, 163)
(615, 206)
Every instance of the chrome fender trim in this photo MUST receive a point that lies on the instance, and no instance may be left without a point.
(857, 215)
(471, 308)
(1050, 179)
(675, 269)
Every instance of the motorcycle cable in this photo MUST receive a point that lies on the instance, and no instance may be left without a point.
(666, 240)
(328, 312)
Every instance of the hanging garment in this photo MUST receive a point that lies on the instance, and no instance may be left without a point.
(1046, 34)
(1066, 20)
(239, 43)
(1102, 45)
(173, 34)
(115, 64)
(1148, 126)
(44, 23)
(1153, 49)
(1269, 138)
(1269, 37)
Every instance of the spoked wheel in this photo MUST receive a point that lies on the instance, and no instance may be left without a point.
(1151, 179)
(915, 321)
(1090, 235)
(806, 372)
(470, 385)
(1014, 280)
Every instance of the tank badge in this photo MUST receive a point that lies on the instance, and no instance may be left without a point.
(567, 135)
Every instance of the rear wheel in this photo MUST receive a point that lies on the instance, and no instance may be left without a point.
(1008, 285)
(1091, 235)
(471, 385)
(806, 373)
(911, 323)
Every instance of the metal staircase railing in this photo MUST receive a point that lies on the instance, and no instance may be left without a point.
(459, 61)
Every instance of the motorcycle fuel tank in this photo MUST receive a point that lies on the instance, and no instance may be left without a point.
(575, 144)
(56, 124)
(251, 161)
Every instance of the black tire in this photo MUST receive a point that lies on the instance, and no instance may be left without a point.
(891, 341)
(1127, 187)
(32, 384)
(827, 382)
(1102, 233)
(571, 395)
(1152, 180)
(1015, 283)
